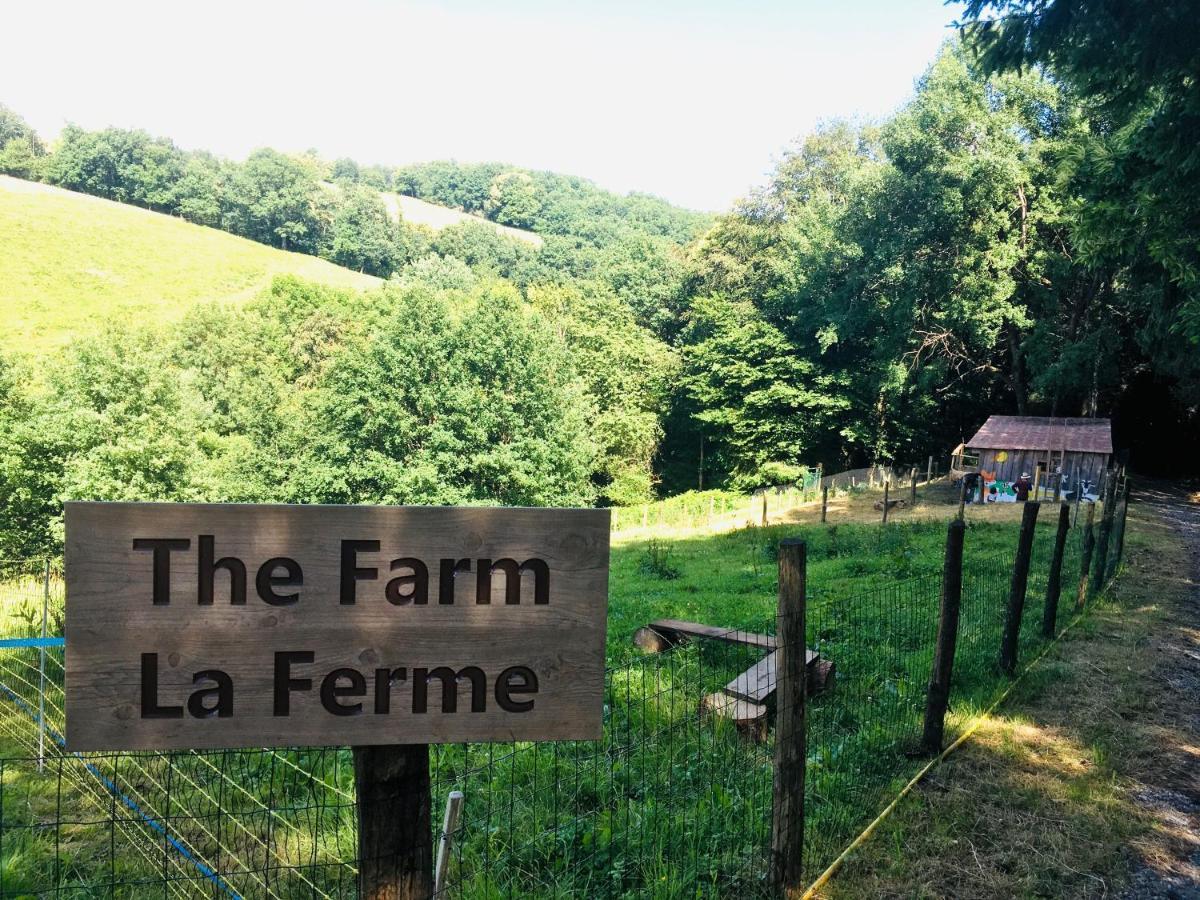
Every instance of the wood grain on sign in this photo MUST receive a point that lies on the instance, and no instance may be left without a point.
(477, 645)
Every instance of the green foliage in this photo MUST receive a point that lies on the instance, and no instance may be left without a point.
(21, 150)
(656, 561)
(627, 372)
(759, 398)
(912, 277)
(1133, 169)
(434, 404)
(363, 236)
(277, 199)
(513, 200)
(413, 394)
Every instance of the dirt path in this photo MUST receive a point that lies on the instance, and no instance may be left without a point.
(1087, 782)
(1169, 778)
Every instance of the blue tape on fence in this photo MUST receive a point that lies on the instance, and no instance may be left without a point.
(6, 643)
(131, 804)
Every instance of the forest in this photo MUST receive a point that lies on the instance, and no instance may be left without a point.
(1019, 237)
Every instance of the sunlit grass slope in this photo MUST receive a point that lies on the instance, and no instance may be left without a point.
(70, 262)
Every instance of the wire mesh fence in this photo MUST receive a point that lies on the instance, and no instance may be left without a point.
(677, 798)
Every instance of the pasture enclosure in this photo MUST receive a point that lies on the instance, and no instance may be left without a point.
(672, 801)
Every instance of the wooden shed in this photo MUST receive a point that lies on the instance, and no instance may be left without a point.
(1011, 446)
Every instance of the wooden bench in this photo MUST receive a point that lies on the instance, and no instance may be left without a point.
(666, 633)
(744, 699)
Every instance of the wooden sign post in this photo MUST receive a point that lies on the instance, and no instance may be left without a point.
(386, 628)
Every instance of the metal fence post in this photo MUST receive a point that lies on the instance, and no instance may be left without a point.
(395, 847)
(42, 671)
(1016, 594)
(787, 819)
(1100, 560)
(938, 697)
(1085, 559)
(1054, 579)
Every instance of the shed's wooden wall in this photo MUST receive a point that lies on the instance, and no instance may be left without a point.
(1076, 465)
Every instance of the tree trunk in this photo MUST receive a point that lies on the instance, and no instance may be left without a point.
(1017, 375)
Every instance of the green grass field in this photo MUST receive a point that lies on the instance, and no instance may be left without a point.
(670, 803)
(70, 262)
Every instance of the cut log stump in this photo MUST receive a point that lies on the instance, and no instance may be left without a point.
(749, 718)
(820, 675)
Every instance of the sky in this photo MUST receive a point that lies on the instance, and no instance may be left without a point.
(692, 100)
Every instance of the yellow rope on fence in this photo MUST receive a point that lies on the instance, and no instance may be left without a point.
(834, 866)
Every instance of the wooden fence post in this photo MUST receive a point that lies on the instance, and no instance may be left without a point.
(1054, 580)
(929, 471)
(764, 518)
(395, 843)
(1085, 559)
(1119, 533)
(886, 487)
(1016, 593)
(787, 819)
(913, 497)
(938, 697)
(824, 502)
(1037, 480)
(1100, 560)
(454, 804)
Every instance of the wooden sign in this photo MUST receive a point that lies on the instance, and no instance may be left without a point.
(193, 625)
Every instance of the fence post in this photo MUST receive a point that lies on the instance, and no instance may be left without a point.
(886, 486)
(929, 471)
(1118, 537)
(454, 804)
(787, 819)
(1016, 593)
(1085, 560)
(938, 697)
(1100, 560)
(913, 498)
(1054, 580)
(824, 502)
(395, 846)
(42, 671)
(764, 518)
(962, 498)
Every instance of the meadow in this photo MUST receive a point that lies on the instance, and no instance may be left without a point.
(74, 263)
(669, 803)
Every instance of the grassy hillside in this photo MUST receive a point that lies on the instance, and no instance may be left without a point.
(71, 262)
(420, 212)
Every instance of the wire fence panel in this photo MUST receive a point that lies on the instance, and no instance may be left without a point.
(676, 799)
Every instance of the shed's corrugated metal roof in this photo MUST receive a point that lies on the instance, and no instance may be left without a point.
(1043, 433)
